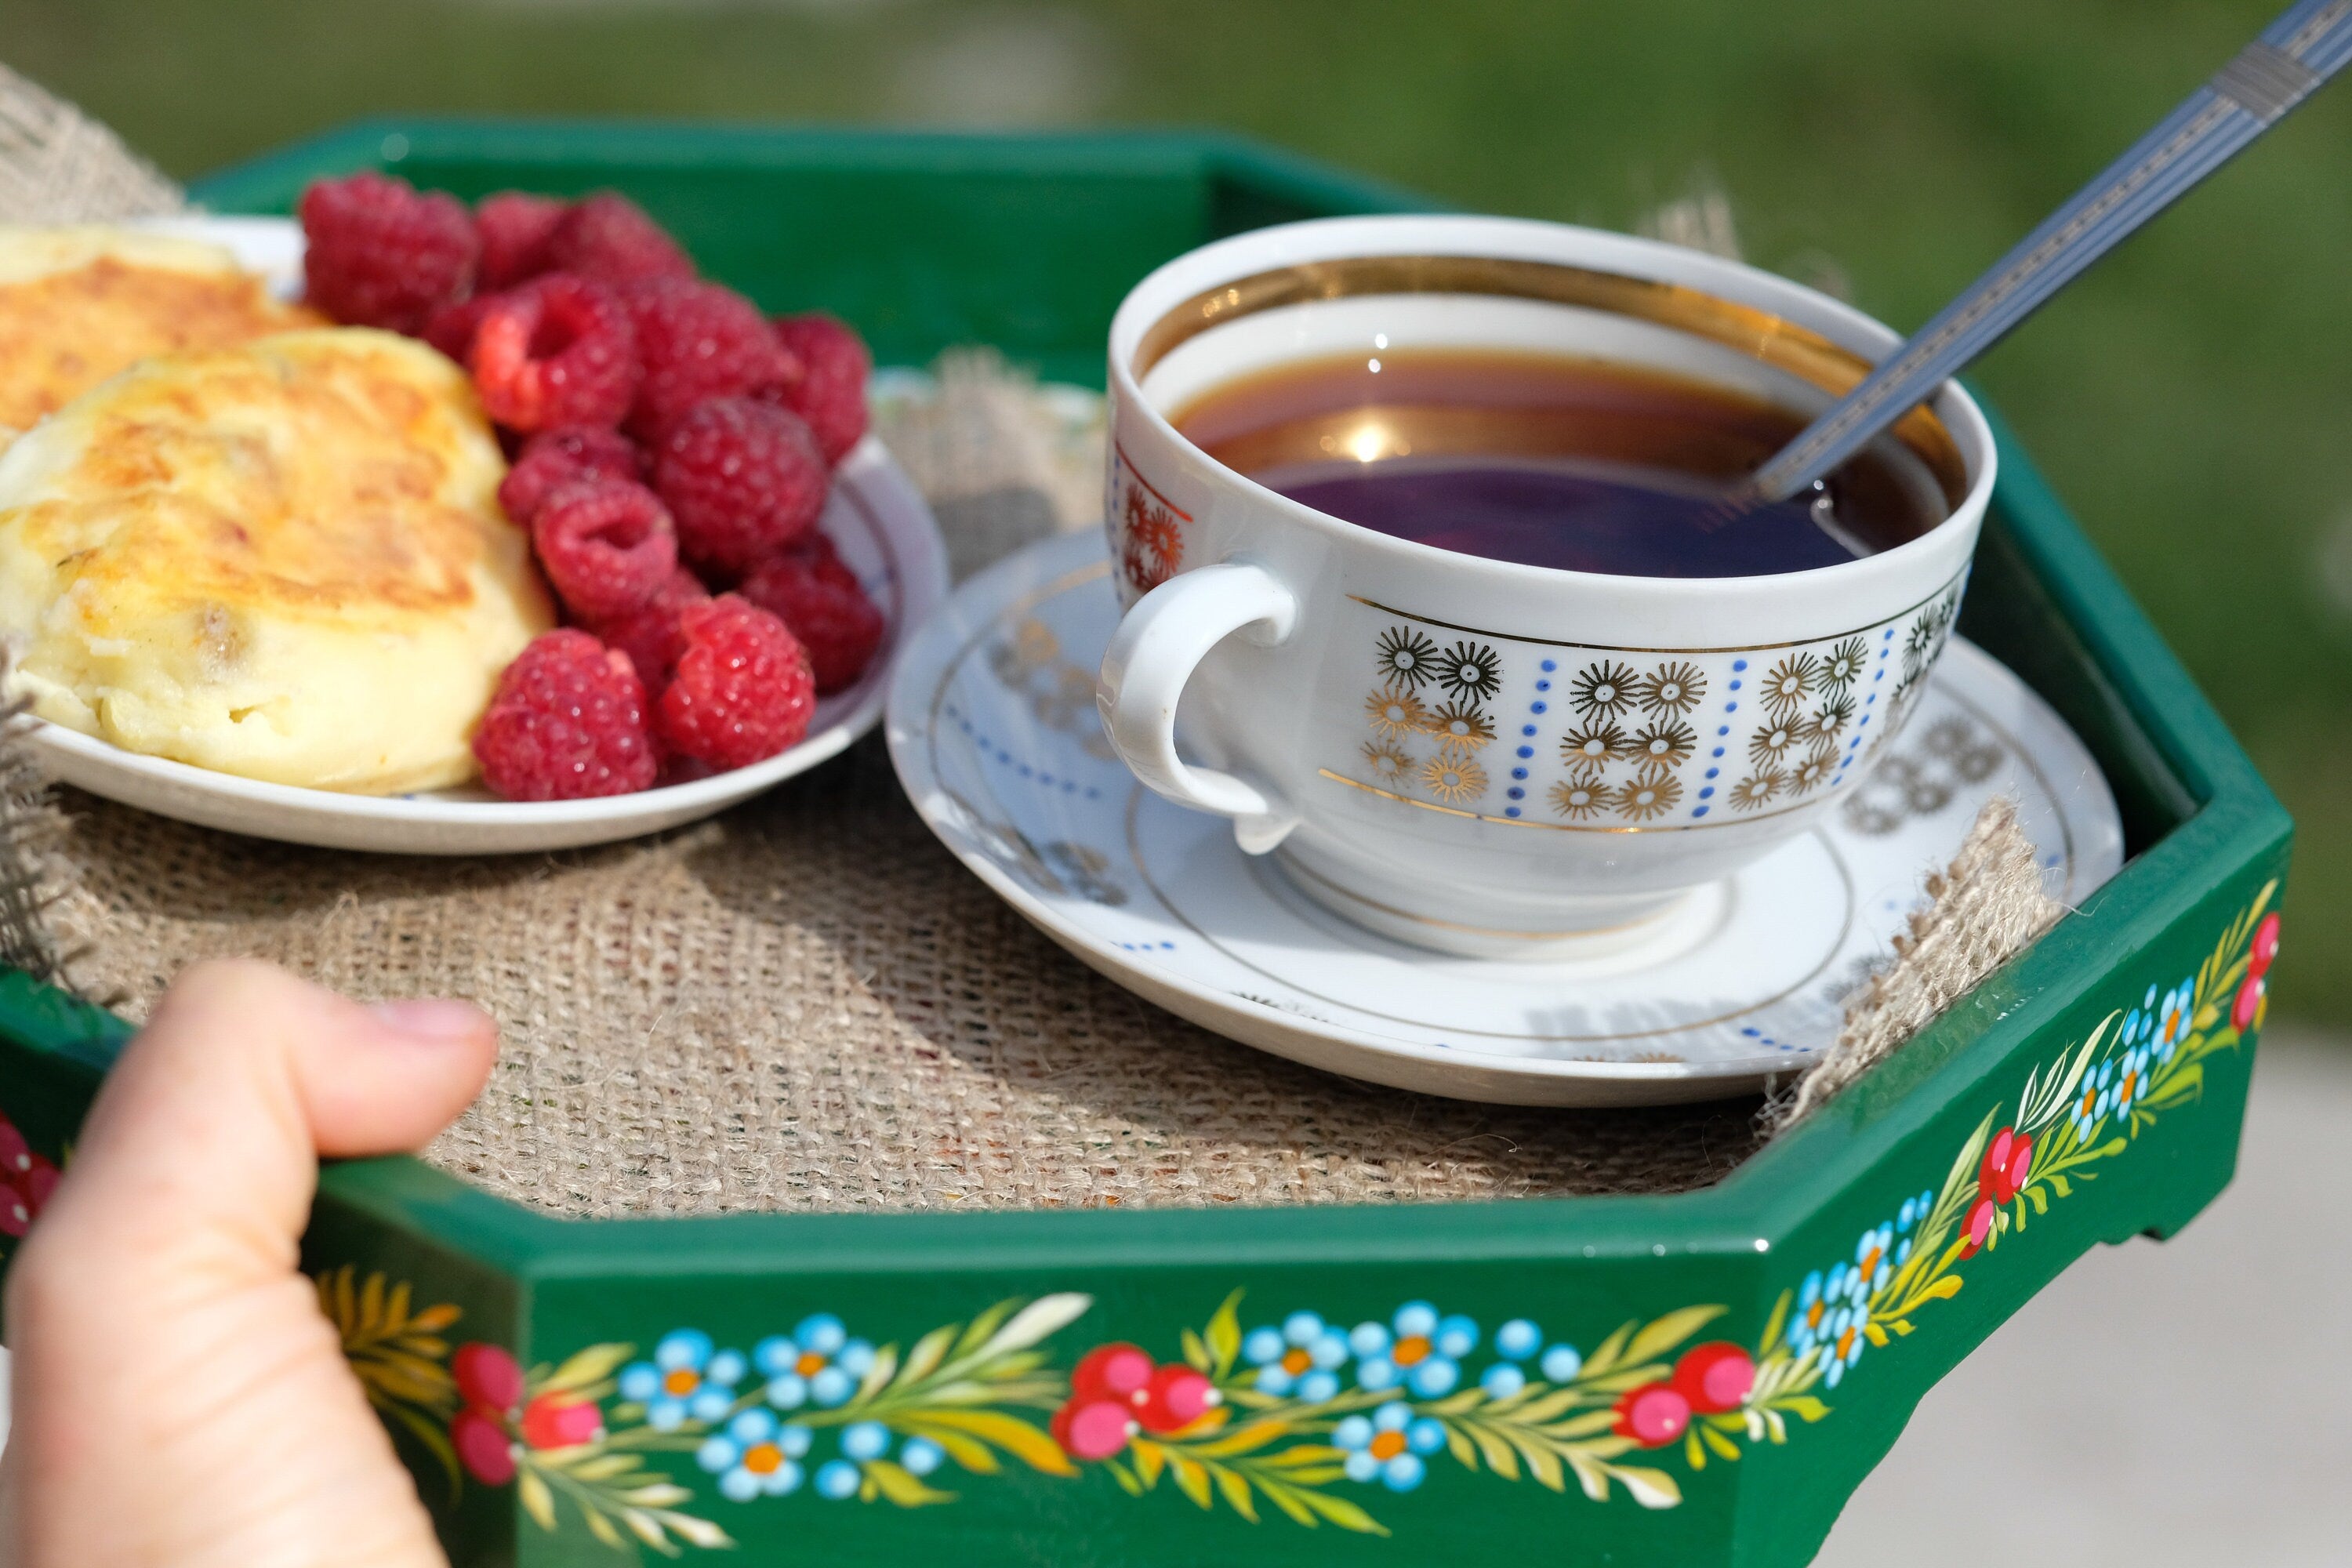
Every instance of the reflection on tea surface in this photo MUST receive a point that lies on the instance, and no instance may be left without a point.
(1547, 460)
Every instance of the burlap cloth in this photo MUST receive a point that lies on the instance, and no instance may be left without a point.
(806, 1004)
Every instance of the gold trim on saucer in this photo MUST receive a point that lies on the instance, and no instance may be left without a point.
(1758, 334)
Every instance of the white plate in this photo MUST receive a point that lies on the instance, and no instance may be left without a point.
(994, 733)
(875, 516)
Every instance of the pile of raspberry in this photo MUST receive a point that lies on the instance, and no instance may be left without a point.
(673, 448)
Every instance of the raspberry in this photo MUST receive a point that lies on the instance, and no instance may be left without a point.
(609, 237)
(830, 394)
(699, 340)
(742, 691)
(607, 544)
(384, 254)
(834, 620)
(515, 228)
(557, 350)
(568, 721)
(743, 479)
(553, 458)
(450, 328)
(650, 634)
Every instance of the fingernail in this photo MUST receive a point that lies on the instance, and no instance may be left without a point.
(431, 1018)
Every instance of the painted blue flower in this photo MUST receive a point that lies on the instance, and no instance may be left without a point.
(1560, 1364)
(1300, 1359)
(755, 1457)
(1389, 1446)
(2093, 1100)
(1809, 1325)
(689, 1379)
(863, 1440)
(1517, 1340)
(2131, 1080)
(1418, 1349)
(2173, 1021)
(1874, 1264)
(818, 1363)
(1843, 1342)
(1503, 1380)
(837, 1480)
(920, 1456)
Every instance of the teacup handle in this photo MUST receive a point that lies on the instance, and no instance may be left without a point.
(1154, 653)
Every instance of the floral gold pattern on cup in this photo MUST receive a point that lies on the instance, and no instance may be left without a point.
(1614, 738)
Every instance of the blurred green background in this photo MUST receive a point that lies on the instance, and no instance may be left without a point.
(2192, 398)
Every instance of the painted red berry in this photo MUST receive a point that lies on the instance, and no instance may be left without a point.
(515, 226)
(2008, 1158)
(39, 1184)
(743, 479)
(609, 236)
(568, 721)
(554, 1421)
(557, 351)
(1654, 1415)
(1981, 1220)
(2246, 1011)
(741, 691)
(1092, 1430)
(483, 1447)
(15, 1210)
(1714, 1377)
(384, 254)
(607, 544)
(826, 609)
(700, 340)
(650, 634)
(1175, 1398)
(554, 459)
(831, 391)
(2260, 957)
(15, 1155)
(1115, 1371)
(488, 1377)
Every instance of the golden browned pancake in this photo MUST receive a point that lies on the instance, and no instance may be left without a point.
(285, 560)
(78, 304)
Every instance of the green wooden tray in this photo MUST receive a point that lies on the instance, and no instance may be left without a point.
(1399, 1385)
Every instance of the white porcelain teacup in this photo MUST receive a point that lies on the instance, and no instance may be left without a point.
(1471, 754)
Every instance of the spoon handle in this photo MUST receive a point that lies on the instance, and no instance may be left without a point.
(2245, 98)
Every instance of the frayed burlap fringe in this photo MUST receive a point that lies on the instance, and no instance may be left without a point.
(58, 166)
(1984, 909)
(1002, 461)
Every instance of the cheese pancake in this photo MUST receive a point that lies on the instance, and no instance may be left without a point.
(285, 560)
(79, 304)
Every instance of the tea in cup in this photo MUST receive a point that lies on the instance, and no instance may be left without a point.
(1431, 588)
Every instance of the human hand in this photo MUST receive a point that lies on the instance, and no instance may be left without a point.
(179, 1400)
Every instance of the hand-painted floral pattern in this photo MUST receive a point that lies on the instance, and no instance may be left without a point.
(1297, 1412)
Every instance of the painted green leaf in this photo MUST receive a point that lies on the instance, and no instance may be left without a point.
(1010, 1433)
(902, 1487)
(1669, 1331)
(1225, 1335)
(593, 1364)
(536, 1499)
(1236, 1492)
(1651, 1488)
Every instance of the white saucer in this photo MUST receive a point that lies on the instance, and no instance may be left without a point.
(875, 516)
(992, 729)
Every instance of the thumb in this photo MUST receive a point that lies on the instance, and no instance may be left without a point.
(178, 1396)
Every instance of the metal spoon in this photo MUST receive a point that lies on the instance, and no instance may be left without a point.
(2299, 52)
